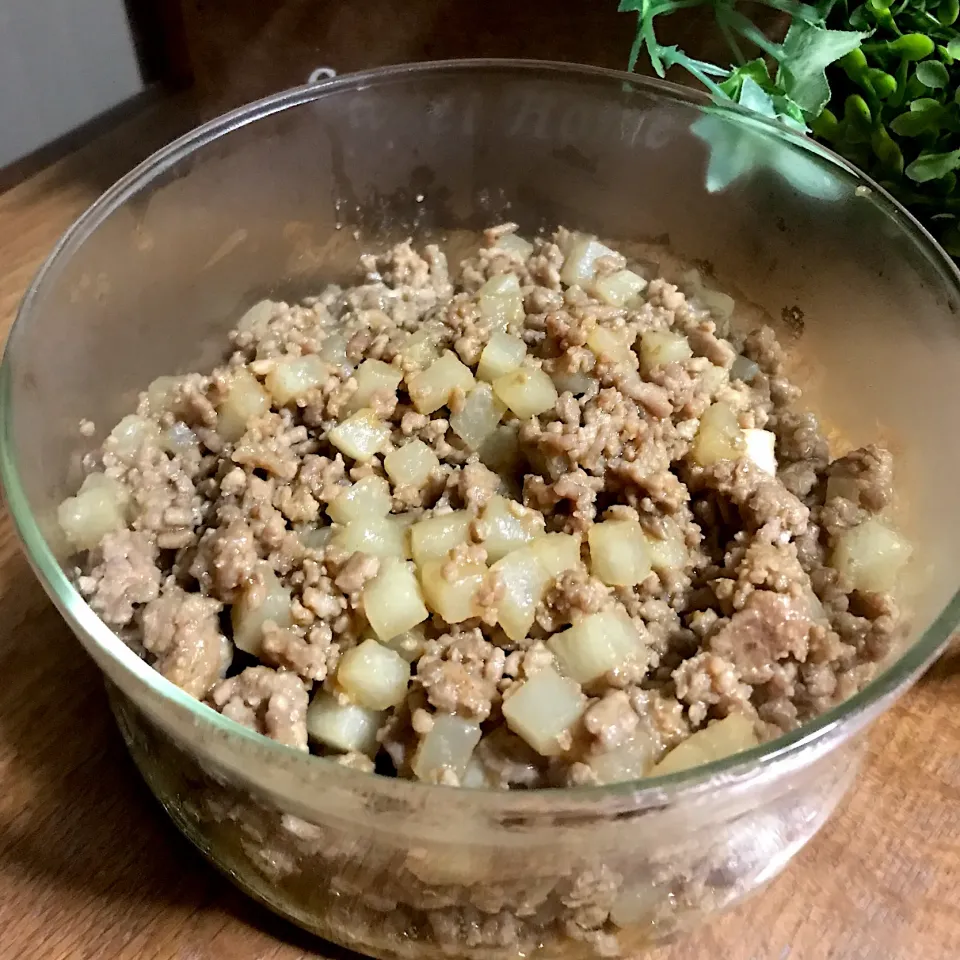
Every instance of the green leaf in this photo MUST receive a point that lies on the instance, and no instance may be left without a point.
(953, 48)
(754, 97)
(755, 70)
(932, 73)
(807, 51)
(932, 166)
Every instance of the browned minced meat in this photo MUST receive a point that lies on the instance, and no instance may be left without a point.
(230, 578)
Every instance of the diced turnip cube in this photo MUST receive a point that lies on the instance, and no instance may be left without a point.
(130, 435)
(523, 580)
(626, 761)
(759, 446)
(501, 450)
(454, 599)
(435, 537)
(248, 615)
(412, 464)
(373, 675)
(245, 400)
(544, 710)
(367, 499)
(373, 376)
(294, 377)
(660, 347)
(527, 391)
(447, 746)
(378, 536)
(597, 644)
(512, 243)
(671, 552)
(619, 554)
(409, 644)
(361, 436)
(506, 525)
(557, 552)
(722, 738)
(98, 508)
(580, 263)
(422, 346)
(478, 417)
(392, 600)
(503, 353)
(431, 389)
(501, 302)
(612, 344)
(871, 555)
(618, 288)
(255, 320)
(343, 726)
(719, 436)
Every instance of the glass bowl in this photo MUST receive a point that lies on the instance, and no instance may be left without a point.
(280, 197)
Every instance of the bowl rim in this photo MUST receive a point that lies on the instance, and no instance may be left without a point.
(817, 737)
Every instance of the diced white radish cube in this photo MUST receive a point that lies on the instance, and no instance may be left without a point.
(294, 377)
(527, 391)
(131, 434)
(315, 538)
(723, 738)
(512, 243)
(619, 554)
(367, 499)
(660, 347)
(503, 353)
(160, 394)
(378, 536)
(333, 351)
(409, 644)
(361, 436)
(619, 287)
(373, 376)
(447, 746)
(343, 726)
(255, 320)
(597, 644)
(572, 382)
(669, 553)
(544, 710)
(373, 675)
(435, 537)
(580, 263)
(245, 400)
(412, 464)
(612, 344)
(267, 600)
(423, 346)
(759, 446)
(501, 450)
(557, 552)
(506, 525)
(392, 600)
(719, 436)
(501, 302)
(454, 599)
(523, 580)
(478, 417)
(871, 555)
(743, 369)
(431, 389)
(626, 761)
(98, 508)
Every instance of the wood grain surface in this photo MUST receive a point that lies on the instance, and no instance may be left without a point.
(90, 868)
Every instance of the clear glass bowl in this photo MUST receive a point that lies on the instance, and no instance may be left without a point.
(280, 197)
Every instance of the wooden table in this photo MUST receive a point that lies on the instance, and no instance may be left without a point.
(90, 867)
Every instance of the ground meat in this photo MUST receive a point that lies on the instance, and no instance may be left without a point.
(272, 702)
(182, 636)
(722, 598)
(125, 577)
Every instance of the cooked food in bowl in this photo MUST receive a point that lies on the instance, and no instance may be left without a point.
(541, 521)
